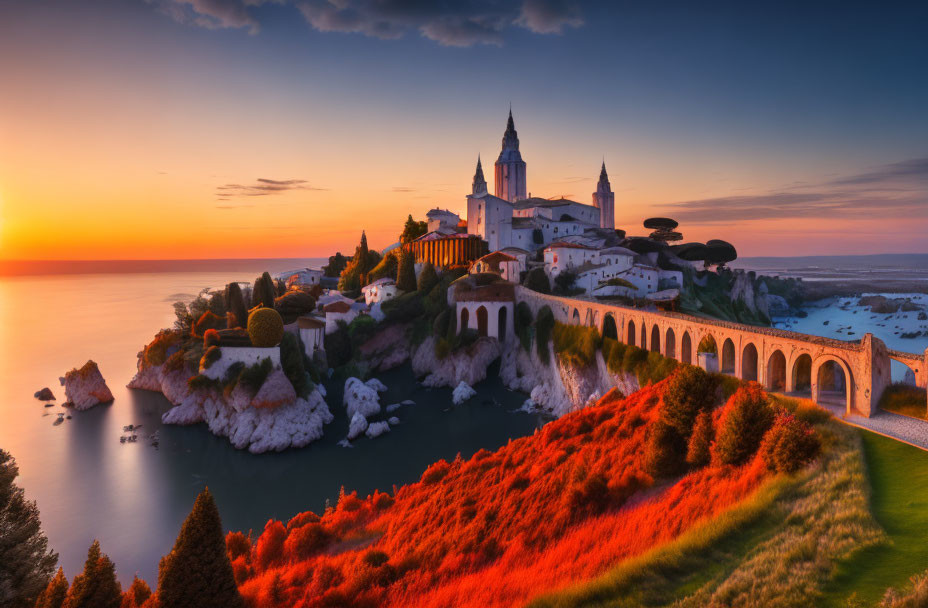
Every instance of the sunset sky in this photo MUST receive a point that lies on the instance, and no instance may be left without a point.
(134, 129)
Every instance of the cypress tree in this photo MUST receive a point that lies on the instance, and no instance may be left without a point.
(96, 586)
(428, 278)
(54, 594)
(406, 275)
(235, 304)
(138, 594)
(362, 254)
(26, 564)
(264, 292)
(197, 572)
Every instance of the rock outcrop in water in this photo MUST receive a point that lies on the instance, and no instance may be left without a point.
(85, 387)
(45, 394)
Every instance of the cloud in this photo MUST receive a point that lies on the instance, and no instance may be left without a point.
(896, 190)
(214, 14)
(262, 187)
(458, 23)
(403, 189)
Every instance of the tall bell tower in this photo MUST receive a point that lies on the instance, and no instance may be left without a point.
(604, 200)
(510, 168)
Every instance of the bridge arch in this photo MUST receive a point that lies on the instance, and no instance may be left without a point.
(482, 321)
(749, 367)
(776, 371)
(644, 336)
(593, 317)
(575, 317)
(686, 348)
(800, 376)
(655, 341)
(832, 382)
(465, 319)
(631, 336)
(727, 357)
(609, 327)
(670, 344)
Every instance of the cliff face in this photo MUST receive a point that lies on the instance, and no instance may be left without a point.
(272, 418)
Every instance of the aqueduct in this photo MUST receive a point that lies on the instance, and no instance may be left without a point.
(825, 369)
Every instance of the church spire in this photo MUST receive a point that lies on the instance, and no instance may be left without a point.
(510, 137)
(603, 178)
(480, 184)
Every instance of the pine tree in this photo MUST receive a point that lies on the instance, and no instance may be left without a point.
(428, 278)
(96, 586)
(235, 305)
(55, 592)
(26, 564)
(406, 275)
(197, 572)
(138, 594)
(362, 255)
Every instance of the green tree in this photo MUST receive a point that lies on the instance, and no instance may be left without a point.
(428, 278)
(197, 572)
(355, 274)
(54, 594)
(665, 451)
(746, 418)
(413, 230)
(26, 564)
(698, 451)
(291, 361)
(138, 594)
(544, 323)
(689, 392)
(335, 266)
(338, 345)
(96, 586)
(564, 282)
(264, 292)
(537, 280)
(237, 314)
(406, 275)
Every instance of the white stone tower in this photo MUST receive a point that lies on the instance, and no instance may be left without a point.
(510, 168)
(604, 200)
(480, 184)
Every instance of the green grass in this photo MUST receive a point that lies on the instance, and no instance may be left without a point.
(898, 475)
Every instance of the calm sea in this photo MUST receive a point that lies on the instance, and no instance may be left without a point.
(133, 497)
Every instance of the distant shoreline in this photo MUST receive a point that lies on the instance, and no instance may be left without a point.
(19, 268)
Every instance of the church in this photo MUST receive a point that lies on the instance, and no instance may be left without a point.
(511, 218)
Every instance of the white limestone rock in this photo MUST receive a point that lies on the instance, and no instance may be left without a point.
(393, 407)
(376, 429)
(85, 387)
(461, 393)
(377, 385)
(407, 402)
(467, 365)
(148, 379)
(357, 426)
(393, 420)
(360, 398)
(276, 391)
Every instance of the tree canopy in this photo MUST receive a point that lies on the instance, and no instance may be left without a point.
(413, 230)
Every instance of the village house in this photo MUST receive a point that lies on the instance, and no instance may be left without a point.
(379, 291)
(506, 266)
(312, 333)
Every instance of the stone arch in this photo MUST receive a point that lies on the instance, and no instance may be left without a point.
(502, 317)
(575, 317)
(686, 348)
(727, 357)
(655, 341)
(594, 317)
(776, 372)
(609, 328)
(644, 336)
(631, 338)
(902, 372)
(708, 345)
(832, 382)
(801, 382)
(670, 344)
(465, 318)
(749, 367)
(482, 321)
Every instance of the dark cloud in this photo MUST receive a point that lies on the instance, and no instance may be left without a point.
(458, 23)
(897, 190)
(262, 187)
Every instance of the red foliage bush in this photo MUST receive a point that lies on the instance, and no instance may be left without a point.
(496, 529)
(745, 419)
(789, 445)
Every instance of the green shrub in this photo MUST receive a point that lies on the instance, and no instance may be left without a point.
(253, 376)
(442, 321)
(156, 353)
(698, 450)
(236, 313)
(386, 269)
(291, 361)
(745, 419)
(522, 324)
(293, 304)
(576, 345)
(665, 451)
(428, 278)
(544, 323)
(265, 327)
(201, 382)
(442, 348)
(338, 345)
(208, 320)
(264, 292)
(212, 354)
(905, 399)
(403, 308)
(789, 445)
(690, 391)
(537, 280)
(361, 329)
(406, 273)
(729, 384)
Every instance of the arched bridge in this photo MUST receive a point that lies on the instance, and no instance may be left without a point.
(852, 373)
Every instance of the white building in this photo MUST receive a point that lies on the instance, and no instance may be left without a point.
(340, 311)
(312, 333)
(488, 309)
(301, 277)
(442, 219)
(506, 266)
(380, 290)
(512, 218)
